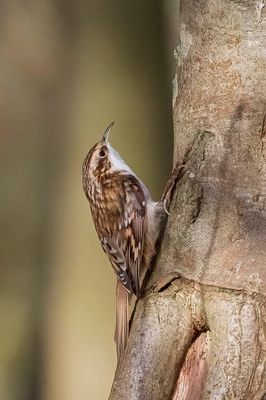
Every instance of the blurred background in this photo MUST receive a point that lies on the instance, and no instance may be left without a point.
(67, 69)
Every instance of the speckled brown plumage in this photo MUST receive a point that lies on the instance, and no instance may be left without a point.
(126, 220)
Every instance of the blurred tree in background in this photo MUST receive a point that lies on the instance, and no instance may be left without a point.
(68, 69)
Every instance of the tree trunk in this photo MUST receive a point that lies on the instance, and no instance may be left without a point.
(199, 331)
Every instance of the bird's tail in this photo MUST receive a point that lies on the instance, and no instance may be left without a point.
(122, 318)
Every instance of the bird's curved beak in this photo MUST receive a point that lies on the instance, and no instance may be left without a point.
(106, 132)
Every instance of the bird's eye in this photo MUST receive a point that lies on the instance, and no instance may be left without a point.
(102, 153)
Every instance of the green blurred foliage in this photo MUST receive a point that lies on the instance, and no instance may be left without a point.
(67, 69)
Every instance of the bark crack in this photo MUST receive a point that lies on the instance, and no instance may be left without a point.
(262, 138)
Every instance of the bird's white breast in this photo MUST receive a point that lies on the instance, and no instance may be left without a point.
(118, 164)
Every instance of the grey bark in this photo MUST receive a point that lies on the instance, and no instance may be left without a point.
(199, 332)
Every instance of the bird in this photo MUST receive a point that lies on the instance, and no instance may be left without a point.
(127, 222)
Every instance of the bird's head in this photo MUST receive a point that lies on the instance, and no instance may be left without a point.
(103, 158)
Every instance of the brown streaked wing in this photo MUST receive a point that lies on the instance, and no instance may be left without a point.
(125, 246)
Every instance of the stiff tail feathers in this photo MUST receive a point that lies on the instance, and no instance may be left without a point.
(122, 318)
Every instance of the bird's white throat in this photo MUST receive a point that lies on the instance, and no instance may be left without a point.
(117, 162)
